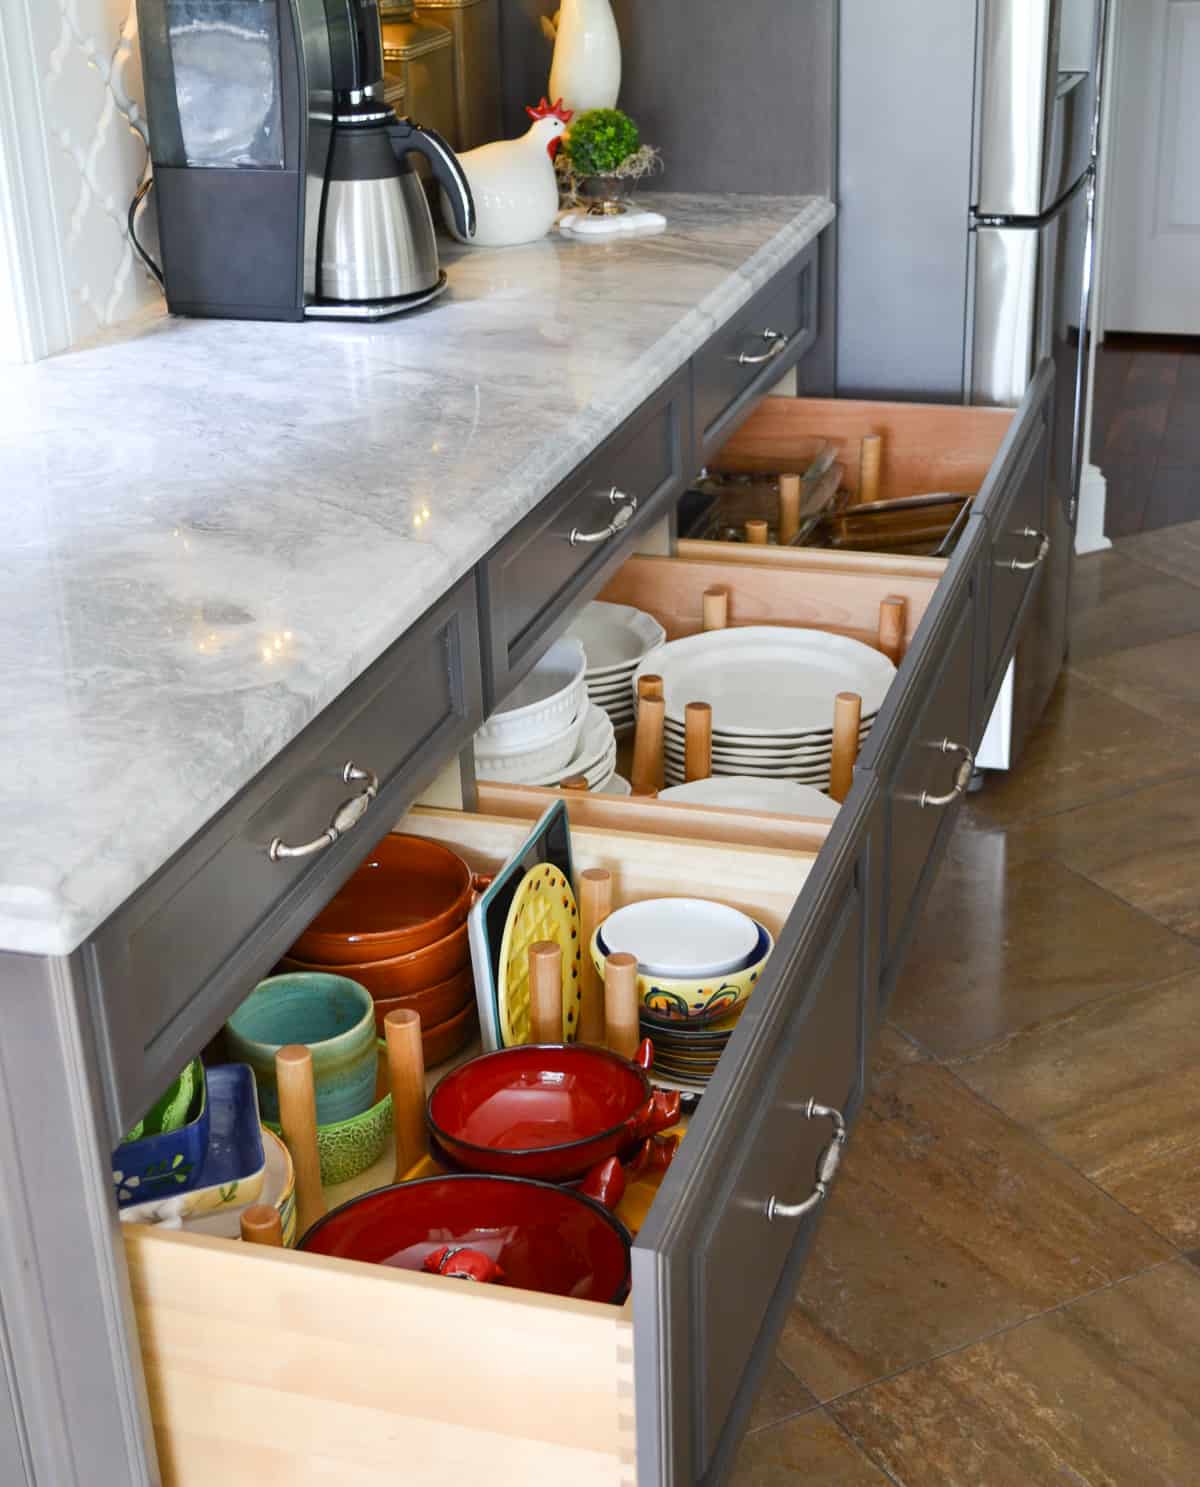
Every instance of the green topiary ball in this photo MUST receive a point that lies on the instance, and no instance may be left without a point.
(599, 140)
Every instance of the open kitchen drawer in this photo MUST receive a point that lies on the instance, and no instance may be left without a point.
(273, 1366)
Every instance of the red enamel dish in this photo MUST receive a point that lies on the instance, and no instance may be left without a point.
(546, 1111)
(543, 1238)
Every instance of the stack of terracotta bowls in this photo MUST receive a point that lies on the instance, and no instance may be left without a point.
(399, 928)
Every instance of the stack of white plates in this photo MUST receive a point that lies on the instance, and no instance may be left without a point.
(615, 638)
(772, 692)
(594, 757)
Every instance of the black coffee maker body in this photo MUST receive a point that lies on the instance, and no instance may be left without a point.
(283, 182)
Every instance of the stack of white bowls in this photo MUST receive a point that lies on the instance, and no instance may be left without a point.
(772, 691)
(615, 639)
(546, 730)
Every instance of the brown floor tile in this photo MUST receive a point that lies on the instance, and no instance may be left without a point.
(1143, 847)
(780, 1396)
(1193, 1256)
(1087, 746)
(809, 1452)
(894, 1047)
(1100, 1394)
(946, 1223)
(1162, 679)
(1175, 490)
(1001, 950)
(1117, 603)
(1174, 551)
(1113, 1089)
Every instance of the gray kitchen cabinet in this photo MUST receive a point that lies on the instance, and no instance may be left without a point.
(561, 553)
(718, 1257)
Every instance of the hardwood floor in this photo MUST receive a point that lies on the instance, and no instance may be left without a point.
(1146, 431)
(1005, 1291)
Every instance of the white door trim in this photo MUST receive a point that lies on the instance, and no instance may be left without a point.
(36, 282)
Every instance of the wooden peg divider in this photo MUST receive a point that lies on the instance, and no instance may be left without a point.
(595, 905)
(893, 622)
(789, 509)
(261, 1224)
(756, 532)
(716, 608)
(847, 713)
(298, 1122)
(643, 792)
(648, 742)
(576, 782)
(697, 741)
(869, 460)
(621, 1004)
(650, 687)
(406, 1076)
(546, 991)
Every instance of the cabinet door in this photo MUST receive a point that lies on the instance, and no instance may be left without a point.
(921, 745)
(1026, 538)
(715, 1266)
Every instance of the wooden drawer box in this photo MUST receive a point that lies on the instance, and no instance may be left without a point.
(268, 1365)
(161, 981)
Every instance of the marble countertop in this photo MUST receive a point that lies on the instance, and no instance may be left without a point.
(210, 528)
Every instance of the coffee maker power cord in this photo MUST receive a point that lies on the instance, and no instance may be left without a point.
(138, 197)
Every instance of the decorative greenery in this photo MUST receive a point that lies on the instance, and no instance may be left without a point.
(600, 140)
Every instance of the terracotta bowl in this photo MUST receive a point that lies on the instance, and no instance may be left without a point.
(408, 894)
(447, 1038)
(401, 975)
(550, 1112)
(435, 1004)
(544, 1238)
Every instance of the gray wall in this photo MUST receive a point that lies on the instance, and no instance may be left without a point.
(738, 94)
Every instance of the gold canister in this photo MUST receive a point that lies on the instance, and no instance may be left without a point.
(475, 27)
(419, 55)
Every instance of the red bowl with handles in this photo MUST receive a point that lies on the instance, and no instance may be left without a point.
(512, 1232)
(547, 1111)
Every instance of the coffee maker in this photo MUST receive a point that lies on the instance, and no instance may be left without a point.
(283, 180)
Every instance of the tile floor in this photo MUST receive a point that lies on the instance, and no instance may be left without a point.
(1005, 1291)
(1146, 431)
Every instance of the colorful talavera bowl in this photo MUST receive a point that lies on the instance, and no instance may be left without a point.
(666, 1000)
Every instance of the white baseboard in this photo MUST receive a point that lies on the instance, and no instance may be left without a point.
(1089, 529)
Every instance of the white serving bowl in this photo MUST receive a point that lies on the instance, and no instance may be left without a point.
(682, 938)
(528, 764)
(541, 706)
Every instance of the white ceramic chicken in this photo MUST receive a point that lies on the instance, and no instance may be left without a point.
(514, 183)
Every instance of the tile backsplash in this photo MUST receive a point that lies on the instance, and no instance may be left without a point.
(93, 107)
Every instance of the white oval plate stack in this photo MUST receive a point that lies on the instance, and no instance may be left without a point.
(772, 692)
(615, 638)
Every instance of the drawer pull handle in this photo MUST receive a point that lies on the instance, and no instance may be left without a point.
(348, 814)
(962, 778)
(827, 1165)
(1015, 565)
(620, 521)
(776, 345)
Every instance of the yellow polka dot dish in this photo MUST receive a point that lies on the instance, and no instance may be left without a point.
(669, 1000)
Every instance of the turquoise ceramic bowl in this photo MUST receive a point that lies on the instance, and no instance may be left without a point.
(333, 1016)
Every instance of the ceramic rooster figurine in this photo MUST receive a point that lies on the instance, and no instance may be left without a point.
(514, 183)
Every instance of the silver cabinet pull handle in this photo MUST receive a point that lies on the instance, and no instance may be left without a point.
(962, 777)
(620, 521)
(827, 1165)
(1015, 565)
(776, 346)
(348, 814)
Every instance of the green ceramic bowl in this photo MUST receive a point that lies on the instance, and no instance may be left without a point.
(348, 1147)
(334, 1016)
(170, 1111)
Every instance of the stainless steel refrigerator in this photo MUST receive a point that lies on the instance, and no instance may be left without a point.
(968, 132)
